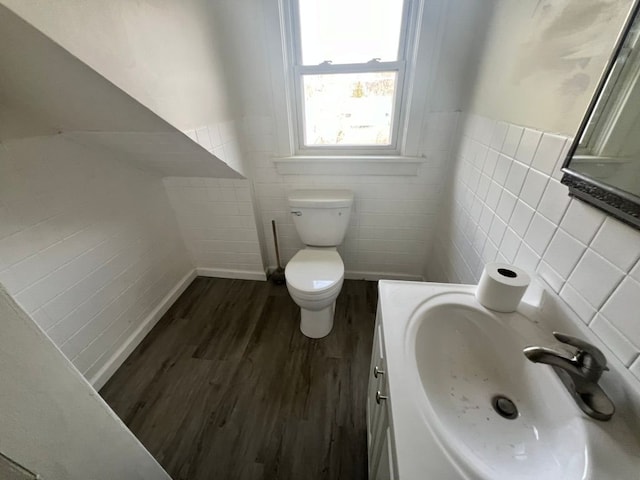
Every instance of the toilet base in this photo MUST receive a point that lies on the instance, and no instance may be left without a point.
(317, 323)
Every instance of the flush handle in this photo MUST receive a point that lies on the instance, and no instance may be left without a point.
(297, 213)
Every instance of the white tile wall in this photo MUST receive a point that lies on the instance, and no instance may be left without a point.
(393, 216)
(217, 216)
(217, 222)
(589, 258)
(86, 246)
(223, 140)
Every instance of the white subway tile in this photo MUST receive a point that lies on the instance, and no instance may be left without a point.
(618, 243)
(584, 259)
(493, 195)
(521, 218)
(512, 140)
(622, 308)
(595, 278)
(94, 199)
(510, 244)
(539, 233)
(502, 169)
(582, 221)
(555, 201)
(214, 135)
(486, 217)
(506, 205)
(490, 163)
(515, 178)
(548, 153)
(496, 232)
(499, 134)
(489, 252)
(552, 277)
(615, 340)
(533, 188)
(202, 136)
(191, 134)
(483, 187)
(42, 319)
(577, 303)
(557, 171)
(478, 241)
(528, 145)
(526, 258)
(563, 253)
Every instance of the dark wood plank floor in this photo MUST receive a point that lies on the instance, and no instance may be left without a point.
(226, 387)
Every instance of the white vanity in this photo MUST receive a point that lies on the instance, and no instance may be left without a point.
(379, 436)
(452, 396)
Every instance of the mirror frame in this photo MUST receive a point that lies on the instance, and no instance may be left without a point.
(623, 205)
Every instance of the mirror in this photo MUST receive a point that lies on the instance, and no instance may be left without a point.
(603, 164)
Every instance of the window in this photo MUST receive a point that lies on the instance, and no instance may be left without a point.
(348, 69)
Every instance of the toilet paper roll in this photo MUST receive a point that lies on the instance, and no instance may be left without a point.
(502, 286)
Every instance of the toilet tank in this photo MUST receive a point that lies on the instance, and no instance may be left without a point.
(321, 217)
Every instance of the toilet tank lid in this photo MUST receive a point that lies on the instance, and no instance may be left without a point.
(321, 198)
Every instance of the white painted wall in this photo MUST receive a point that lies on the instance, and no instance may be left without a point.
(506, 202)
(46, 90)
(394, 216)
(88, 247)
(163, 53)
(544, 59)
(52, 421)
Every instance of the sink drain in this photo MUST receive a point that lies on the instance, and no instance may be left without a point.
(504, 407)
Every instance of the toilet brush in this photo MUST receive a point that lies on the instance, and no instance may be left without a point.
(277, 276)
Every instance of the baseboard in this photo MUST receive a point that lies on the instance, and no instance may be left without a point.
(374, 276)
(118, 358)
(224, 273)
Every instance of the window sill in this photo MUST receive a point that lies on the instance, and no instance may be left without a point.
(349, 165)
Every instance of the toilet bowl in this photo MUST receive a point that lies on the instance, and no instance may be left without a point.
(314, 279)
(315, 274)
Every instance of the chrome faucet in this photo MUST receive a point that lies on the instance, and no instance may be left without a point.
(579, 373)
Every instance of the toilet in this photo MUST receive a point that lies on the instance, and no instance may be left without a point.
(315, 274)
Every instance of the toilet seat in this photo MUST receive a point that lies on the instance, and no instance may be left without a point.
(313, 273)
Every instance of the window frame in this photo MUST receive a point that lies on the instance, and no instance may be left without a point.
(296, 72)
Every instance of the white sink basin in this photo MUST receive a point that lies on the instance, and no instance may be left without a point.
(447, 357)
(465, 357)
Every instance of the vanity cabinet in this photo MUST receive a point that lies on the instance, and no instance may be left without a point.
(378, 427)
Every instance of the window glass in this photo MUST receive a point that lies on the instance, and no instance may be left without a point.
(349, 109)
(349, 31)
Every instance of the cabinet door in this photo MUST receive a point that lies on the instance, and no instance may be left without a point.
(378, 455)
(377, 416)
(385, 470)
(374, 383)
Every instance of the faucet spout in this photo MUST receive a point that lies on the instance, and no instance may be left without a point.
(579, 373)
(554, 358)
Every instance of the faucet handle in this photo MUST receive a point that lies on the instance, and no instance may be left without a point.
(595, 360)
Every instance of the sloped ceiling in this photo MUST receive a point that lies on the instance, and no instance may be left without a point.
(45, 90)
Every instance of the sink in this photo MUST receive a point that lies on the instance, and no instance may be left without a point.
(467, 358)
(448, 360)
